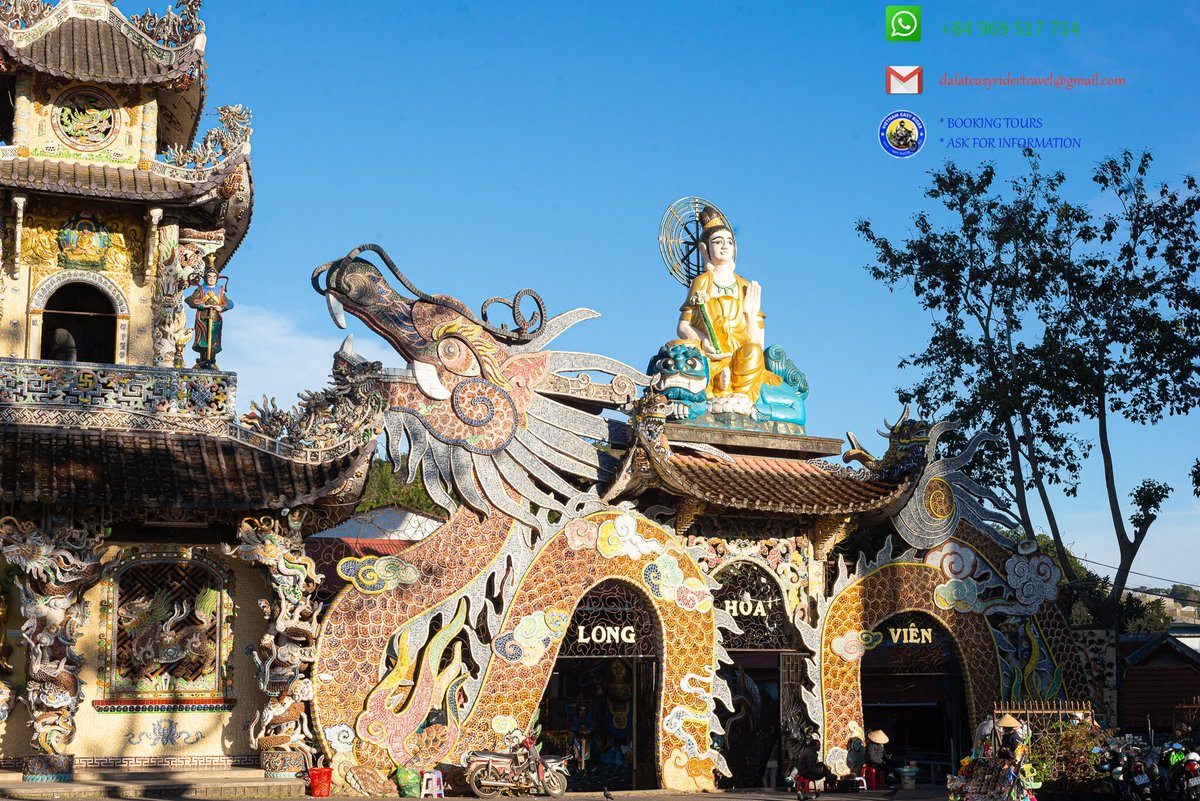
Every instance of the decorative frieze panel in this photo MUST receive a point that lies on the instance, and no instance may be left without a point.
(147, 390)
(167, 632)
(68, 234)
(59, 563)
(787, 558)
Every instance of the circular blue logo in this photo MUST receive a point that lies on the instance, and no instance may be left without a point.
(901, 134)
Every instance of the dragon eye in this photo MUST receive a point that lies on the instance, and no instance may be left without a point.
(693, 363)
(360, 289)
(457, 357)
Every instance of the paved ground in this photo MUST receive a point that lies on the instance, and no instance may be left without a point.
(162, 791)
(242, 783)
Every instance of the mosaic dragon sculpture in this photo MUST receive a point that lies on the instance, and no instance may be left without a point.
(59, 565)
(449, 648)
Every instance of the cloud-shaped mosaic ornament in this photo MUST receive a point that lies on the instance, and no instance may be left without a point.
(374, 575)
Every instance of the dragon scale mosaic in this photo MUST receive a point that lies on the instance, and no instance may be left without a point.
(449, 646)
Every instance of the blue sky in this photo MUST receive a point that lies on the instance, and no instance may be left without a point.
(494, 146)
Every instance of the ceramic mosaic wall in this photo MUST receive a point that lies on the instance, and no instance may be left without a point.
(996, 602)
(852, 625)
(368, 718)
(109, 740)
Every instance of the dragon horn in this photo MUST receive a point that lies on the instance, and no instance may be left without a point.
(890, 427)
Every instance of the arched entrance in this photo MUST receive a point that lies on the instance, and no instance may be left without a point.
(79, 324)
(913, 688)
(855, 622)
(755, 601)
(601, 703)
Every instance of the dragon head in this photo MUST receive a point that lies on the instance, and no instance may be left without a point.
(911, 444)
(489, 414)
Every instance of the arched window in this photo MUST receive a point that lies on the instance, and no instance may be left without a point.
(79, 324)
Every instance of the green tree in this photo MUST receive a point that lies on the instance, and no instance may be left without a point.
(385, 487)
(1050, 320)
(1184, 593)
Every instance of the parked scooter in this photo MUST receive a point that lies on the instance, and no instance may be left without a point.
(1138, 773)
(521, 769)
(1189, 780)
(1112, 763)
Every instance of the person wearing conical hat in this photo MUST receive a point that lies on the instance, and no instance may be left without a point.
(1010, 736)
(876, 754)
(876, 767)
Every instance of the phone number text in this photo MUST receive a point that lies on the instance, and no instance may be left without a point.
(1036, 27)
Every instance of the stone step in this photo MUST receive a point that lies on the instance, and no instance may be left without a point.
(247, 783)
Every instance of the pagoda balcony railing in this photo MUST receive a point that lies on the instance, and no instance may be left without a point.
(127, 397)
(166, 393)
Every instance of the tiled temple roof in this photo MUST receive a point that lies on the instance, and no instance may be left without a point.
(789, 486)
(161, 182)
(98, 45)
(159, 469)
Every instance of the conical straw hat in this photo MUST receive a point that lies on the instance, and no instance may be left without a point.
(1008, 722)
(877, 736)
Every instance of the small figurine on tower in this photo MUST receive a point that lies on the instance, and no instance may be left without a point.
(210, 301)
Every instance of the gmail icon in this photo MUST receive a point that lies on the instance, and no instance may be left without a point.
(904, 80)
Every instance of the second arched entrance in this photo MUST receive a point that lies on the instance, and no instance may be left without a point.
(913, 689)
(752, 742)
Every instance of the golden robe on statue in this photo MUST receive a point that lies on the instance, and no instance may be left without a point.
(719, 314)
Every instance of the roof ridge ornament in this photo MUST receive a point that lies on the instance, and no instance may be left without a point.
(20, 14)
(219, 144)
(172, 28)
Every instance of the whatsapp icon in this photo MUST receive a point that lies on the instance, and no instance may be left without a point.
(903, 23)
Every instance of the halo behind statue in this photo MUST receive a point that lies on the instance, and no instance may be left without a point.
(679, 238)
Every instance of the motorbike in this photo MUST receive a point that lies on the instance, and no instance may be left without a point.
(521, 769)
(1189, 779)
(1111, 765)
(1140, 775)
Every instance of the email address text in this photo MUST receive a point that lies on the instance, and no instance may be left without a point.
(1053, 79)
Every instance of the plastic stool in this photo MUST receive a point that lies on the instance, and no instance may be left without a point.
(431, 784)
(871, 775)
(804, 786)
(860, 782)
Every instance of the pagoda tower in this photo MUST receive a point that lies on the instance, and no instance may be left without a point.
(109, 210)
(128, 485)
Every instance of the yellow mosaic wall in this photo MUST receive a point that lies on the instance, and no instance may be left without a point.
(124, 273)
(368, 716)
(850, 623)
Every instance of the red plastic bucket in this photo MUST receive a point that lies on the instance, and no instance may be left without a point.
(320, 782)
